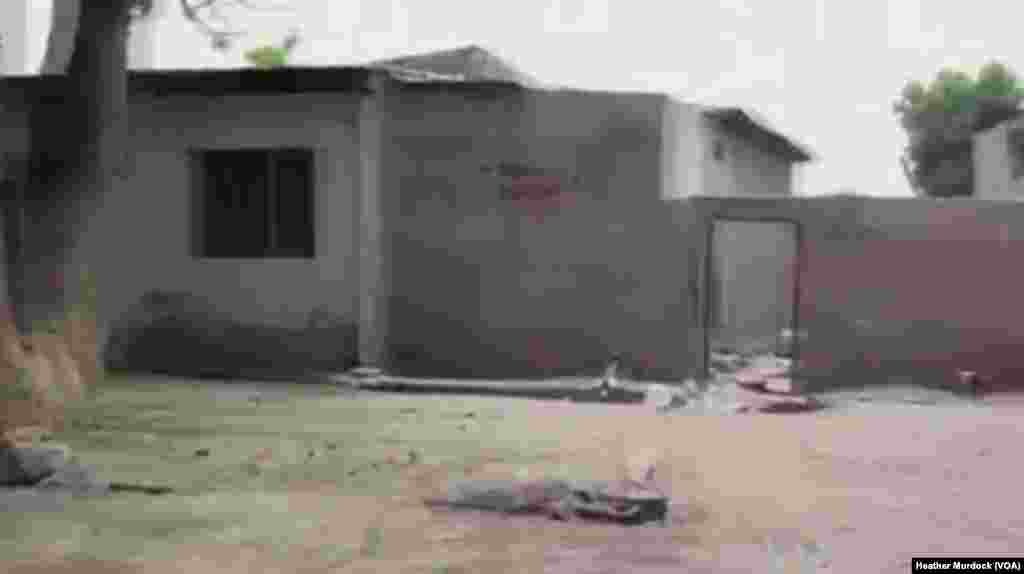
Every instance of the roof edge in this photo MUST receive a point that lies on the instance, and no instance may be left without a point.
(744, 122)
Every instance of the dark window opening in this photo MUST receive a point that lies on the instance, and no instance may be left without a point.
(255, 203)
(718, 151)
(1016, 148)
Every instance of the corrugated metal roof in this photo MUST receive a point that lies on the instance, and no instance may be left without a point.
(464, 64)
(756, 128)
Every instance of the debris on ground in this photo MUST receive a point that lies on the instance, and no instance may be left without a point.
(76, 478)
(607, 392)
(366, 374)
(762, 371)
(622, 502)
(744, 383)
(50, 468)
(27, 465)
(359, 376)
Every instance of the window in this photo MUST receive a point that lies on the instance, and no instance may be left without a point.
(254, 203)
(1015, 141)
(718, 150)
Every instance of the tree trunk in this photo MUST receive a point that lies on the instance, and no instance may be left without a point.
(61, 41)
(73, 151)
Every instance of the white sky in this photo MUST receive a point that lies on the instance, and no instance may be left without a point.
(826, 73)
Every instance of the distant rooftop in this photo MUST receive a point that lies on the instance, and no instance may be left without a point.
(755, 127)
(468, 64)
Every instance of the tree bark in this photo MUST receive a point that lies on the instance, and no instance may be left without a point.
(63, 28)
(73, 150)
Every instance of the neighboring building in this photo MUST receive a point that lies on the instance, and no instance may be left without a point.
(451, 220)
(23, 32)
(467, 63)
(999, 161)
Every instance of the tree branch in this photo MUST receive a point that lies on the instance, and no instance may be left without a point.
(208, 17)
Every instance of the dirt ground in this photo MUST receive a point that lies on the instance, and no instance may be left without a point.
(862, 489)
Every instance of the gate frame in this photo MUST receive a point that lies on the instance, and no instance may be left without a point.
(798, 271)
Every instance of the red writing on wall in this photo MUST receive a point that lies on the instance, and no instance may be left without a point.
(538, 195)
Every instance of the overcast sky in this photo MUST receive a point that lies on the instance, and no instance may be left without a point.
(825, 73)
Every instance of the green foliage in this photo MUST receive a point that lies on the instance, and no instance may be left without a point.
(268, 57)
(941, 118)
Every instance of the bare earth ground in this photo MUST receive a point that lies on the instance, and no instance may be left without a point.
(868, 487)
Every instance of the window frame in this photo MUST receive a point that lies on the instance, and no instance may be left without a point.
(273, 225)
(1015, 151)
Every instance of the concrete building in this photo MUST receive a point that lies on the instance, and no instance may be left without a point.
(24, 27)
(446, 218)
(999, 161)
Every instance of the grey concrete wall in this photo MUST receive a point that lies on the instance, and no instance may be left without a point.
(993, 168)
(14, 148)
(684, 145)
(139, 238)
(489, 287)
(744, 170)
(14, 130)
(902, 290)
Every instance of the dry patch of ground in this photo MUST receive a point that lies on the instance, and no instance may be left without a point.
(867, 489)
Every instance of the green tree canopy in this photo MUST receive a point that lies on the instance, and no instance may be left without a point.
(266, 57)
(941, 118)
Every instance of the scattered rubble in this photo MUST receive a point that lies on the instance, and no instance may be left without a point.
(28, 465)
(359, 376)
(49, 468)
(623, 502)
(76, 478)
(742, 384)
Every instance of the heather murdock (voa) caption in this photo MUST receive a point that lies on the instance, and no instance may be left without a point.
(967, 565)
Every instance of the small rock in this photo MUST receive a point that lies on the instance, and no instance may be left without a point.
(778, 384)
(255, 398)
(739, 408)
(365, 375)
(790, 405)
(691, 388)
(77, 479)
(365, 371)
(26, 466)
(202, 452)
(659, 396)
(414, 457)
(470, 415)
(751, 381)
(331, 446)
